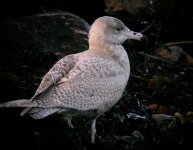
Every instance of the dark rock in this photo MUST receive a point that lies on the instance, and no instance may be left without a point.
(29, 46)
(57, 31)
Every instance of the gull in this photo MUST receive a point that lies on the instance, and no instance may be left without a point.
(85, 84)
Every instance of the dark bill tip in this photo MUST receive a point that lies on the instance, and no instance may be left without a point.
(144, 39)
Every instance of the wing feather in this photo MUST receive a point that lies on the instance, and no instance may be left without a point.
(92, 84)
(58, 71)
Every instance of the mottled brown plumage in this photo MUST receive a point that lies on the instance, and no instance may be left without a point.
(87, 83)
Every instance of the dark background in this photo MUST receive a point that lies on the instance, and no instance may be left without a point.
(173, 22)
(87, 9)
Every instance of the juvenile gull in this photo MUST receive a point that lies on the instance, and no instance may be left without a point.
(87, 83)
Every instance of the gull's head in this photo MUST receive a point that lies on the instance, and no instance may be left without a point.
(110, 30)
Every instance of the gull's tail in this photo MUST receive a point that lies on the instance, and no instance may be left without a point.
(19, 103)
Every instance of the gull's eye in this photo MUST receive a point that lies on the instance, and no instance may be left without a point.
(119, 28)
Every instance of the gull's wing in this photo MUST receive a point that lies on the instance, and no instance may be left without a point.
(58, 71)
(92, 84)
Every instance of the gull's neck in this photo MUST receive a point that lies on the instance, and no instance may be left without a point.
(110, 49)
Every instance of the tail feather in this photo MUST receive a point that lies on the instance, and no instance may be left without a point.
(25, 111)
(18, 103)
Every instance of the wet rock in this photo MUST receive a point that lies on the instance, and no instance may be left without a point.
(171, 53)
(136, 134)
(184, 119)
(158, 109)
(159, 81)
(29, 46)
(162, 119)
(57, 31)
(174, 54)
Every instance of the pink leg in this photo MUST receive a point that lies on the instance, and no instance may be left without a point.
(93, 130)
(69, 122)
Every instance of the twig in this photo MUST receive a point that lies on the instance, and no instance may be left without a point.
(157, 58)
(177, 43)
(147, 28)
(154, 57)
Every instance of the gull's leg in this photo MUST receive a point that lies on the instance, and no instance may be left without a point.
(69, 123)
(93, 129)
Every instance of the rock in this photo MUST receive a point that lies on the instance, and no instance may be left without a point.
(31, 45)
(159, 83)
(184, 119)
(137, 135)
(162, 119)
(172, 53)
(158, 109)
(57, 31)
